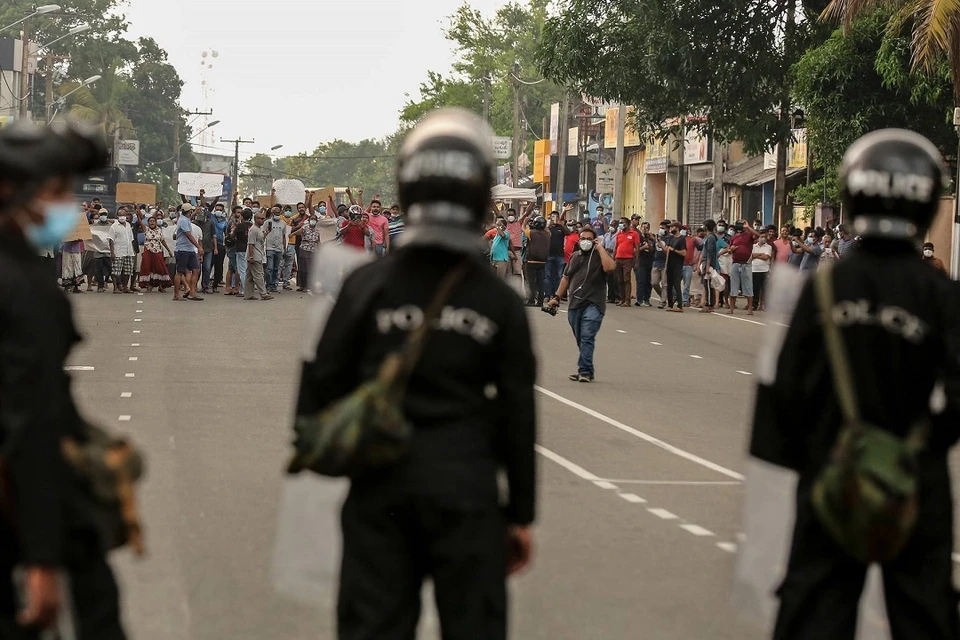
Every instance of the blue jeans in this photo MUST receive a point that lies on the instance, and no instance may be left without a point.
(554, 272)
(380, 250)
(274, 264)
(205, 268)
(289, 257)
(585, 323)
(687, 278)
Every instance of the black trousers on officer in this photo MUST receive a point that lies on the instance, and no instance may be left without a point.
(820, 596)
(392, 543)
(675, 284)
(93, 591)
(536, 273)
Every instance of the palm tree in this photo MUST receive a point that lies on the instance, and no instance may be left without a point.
(98, 105)
(935, 23)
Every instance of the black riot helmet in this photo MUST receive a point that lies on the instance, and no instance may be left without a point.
(445, 173)
(539, 223)
(30, 155)
(891, 181)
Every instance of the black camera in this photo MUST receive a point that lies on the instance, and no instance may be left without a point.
(547, 308)
(355, 216)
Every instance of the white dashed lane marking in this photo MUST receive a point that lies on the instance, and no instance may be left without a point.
(126, 394)
(746, 373)
(136, 319)
(632, 497)
(133, 358)
(729, 317)
(696, 530)
(131, 375)
(730, 547)
(135, 344)
(136, 331)
(656, 344)
(603, 484)
(79, 368)
(139, 310)
(696, 357)
(663, 514)
(124, 418)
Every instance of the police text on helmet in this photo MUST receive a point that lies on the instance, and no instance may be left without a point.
(909, 186)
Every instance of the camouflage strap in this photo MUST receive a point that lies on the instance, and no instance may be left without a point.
(397, 368)
(839, 364)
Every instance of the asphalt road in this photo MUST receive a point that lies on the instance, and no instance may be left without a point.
(640, 472)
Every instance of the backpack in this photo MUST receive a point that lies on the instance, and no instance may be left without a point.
(866, 497)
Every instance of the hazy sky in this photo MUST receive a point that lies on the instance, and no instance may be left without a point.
(331, 68)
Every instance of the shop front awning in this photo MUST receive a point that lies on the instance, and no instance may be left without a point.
(770, 174)
(752, 174)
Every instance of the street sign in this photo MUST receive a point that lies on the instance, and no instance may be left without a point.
(128, 153)
(502, 147)
(606, 178)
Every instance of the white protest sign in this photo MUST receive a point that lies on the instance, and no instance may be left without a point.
(289, 191)
(502, 147)
(192, 183)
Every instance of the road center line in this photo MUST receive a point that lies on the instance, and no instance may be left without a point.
(663, 514)
(730, 547)
(729, 317)
(632, 497)
(746, 373)
(603, 484)
(696, 530)
(656, 344)
(620, 331)
(713, 466)
(696, 357)
(79, 368)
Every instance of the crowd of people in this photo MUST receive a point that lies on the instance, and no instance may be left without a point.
(252, 251)
(677, 261)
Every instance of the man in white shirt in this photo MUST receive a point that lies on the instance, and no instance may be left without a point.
(762, 259)
(122, 256)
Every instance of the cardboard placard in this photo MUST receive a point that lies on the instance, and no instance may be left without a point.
(81, 231)
(190, 184)
(323, 195)
(136, 193)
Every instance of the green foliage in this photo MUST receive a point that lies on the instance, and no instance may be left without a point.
(489, 48)
(673, 58)
(811, 194)
(861, 81)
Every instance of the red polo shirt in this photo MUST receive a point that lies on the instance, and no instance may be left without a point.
(627, 243)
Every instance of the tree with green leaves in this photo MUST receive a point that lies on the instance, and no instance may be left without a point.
(485, 52)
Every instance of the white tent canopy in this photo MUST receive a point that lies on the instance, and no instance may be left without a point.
(503, 192)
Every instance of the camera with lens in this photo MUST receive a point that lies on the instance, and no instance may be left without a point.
(550, 309)
(355, 216)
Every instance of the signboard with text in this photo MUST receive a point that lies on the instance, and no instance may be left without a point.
(502, 147)
(606, 178)
(128, 153)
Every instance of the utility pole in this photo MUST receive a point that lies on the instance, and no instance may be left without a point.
(24, 67)
(516, 124)
(49, 59)
(618, 161)
(486, 98)
(236, 160)
(562, 149)
(780, 178)
(175, 171)
(716, 206)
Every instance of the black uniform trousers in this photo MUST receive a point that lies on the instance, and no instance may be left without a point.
(93, 590)
(391, 543)
(820, 595)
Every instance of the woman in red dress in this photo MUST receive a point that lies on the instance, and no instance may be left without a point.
(153, 268)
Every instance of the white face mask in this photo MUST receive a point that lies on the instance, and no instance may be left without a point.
(122, 219)
(721, 229)
(928, 253)
(586, 245)
(511, 219)
(683, 234)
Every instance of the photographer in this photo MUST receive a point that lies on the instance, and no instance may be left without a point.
(585, 282)
(356, 230)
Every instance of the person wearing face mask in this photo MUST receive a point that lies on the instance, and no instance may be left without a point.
(309, 237)
(277, 238)
(609, 240)
(585, 284)
(741, 271)
(208, 241)
(49, 541)
(169, 231)
(930, 259)
(644, 265)
(293, 221)
(693, 246)
(122, 255)
(761, 260)
(220, 255)
(675, 248)
(812, 249)
(558, 234)
(97, 250)
(625, 255)
(153, 269)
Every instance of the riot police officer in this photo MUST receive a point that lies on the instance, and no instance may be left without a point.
(436, 514)
(45, 532)
(899, 326)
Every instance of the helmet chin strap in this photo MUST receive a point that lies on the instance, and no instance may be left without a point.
(885, 227)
